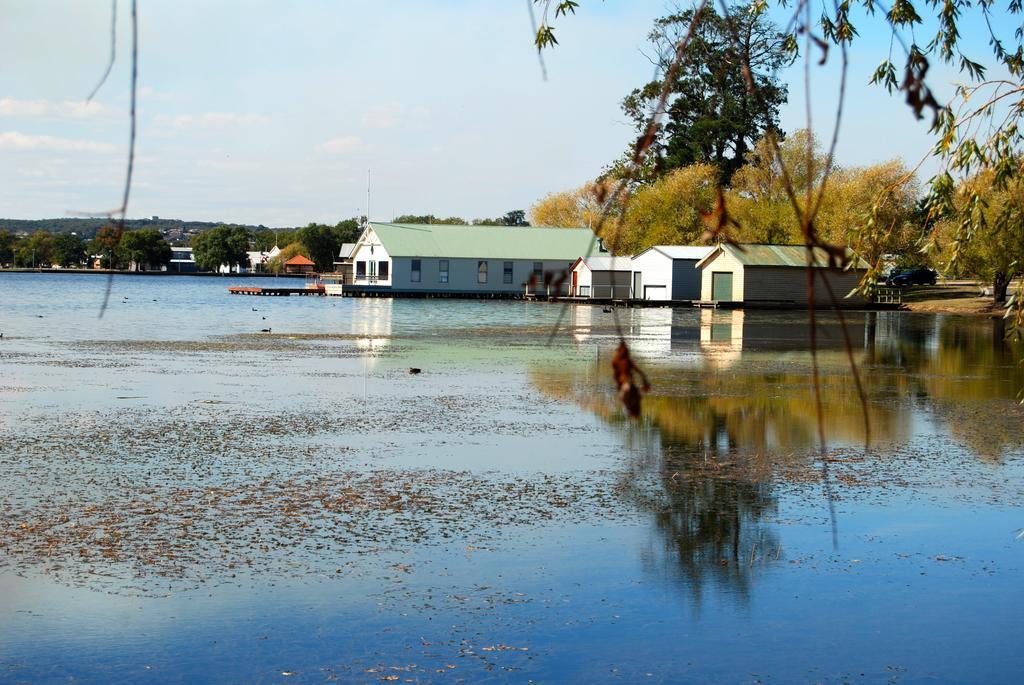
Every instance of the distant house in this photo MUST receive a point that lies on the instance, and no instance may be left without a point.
(299, 265)
(775, 275)
(182, 260)
(425, 258)
(603, 277)
(668, 272)
(258, 260)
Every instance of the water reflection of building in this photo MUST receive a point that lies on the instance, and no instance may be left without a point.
(721, 335)
(371, 322)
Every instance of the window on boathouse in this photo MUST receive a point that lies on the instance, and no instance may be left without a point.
(382, 270)
(481, 272)
(360, 269)
(506, 276)
(416, 272)
(442, 271)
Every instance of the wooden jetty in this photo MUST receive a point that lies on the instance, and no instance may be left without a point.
(276, 292)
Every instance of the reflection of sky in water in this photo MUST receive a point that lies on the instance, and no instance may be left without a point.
(715, 560)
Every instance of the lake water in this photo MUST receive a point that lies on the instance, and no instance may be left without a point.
(189, 499)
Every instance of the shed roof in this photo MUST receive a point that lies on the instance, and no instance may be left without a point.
(607, 263)
(299, 260)
(346, 250)
(492, 242)
(682, 251)
(778, 255)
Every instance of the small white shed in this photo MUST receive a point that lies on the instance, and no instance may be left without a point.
(602, 277)
(668, 272)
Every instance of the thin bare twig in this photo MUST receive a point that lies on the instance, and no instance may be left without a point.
(113, 51)
(123, 210)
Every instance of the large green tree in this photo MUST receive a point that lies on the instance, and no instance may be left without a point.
(143, 249)
(321, 244)
(34, 251)
(711, 117)
(68, 249)
(221, 245)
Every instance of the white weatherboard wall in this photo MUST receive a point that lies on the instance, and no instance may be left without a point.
(584, 280)
(370, 251)
(722, 261)
(655, 275)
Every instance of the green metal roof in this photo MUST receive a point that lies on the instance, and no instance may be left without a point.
(784, 255)
(486, 242)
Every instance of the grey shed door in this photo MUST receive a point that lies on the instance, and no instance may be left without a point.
(685, 279)
(721, 286)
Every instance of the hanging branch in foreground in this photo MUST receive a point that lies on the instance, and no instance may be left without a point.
(623, 367)
(121, 212)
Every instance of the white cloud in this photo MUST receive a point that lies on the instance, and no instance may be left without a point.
(13, 140)
(66, 109)
(214, 120)
(343, 144)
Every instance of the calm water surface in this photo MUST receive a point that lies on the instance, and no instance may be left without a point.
(189, 499)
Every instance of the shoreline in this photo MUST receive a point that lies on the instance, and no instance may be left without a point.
(125, 272)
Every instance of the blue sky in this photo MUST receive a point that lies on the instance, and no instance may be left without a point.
(272, 112)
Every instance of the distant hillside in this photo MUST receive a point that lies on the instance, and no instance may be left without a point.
(173, 229)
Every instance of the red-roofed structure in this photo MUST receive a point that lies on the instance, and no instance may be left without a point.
(299, 265)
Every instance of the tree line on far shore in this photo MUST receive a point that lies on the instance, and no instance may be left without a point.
(147, 249)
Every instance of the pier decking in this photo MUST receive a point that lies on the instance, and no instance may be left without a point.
(276, 292)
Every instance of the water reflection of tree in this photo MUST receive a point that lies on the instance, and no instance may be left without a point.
(719, 435)
(709, 510)
(965, 372)
(710, 519)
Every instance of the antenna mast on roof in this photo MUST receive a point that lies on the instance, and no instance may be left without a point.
(367, 197)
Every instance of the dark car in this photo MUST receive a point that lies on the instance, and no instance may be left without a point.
(910, 277)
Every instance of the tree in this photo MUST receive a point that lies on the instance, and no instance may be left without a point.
(221, 245)
(516, 217)
(995, 250)
(347, 231)
(34, 251)
(667, 212)
(105, 246)
(143, 249)
(68, 249)
(874, 210)
(320, 244)
(710, 116)
(758, 199)
(429, 219)
(265, 239)
(7, 243)
(276, 265)
(572, 208)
